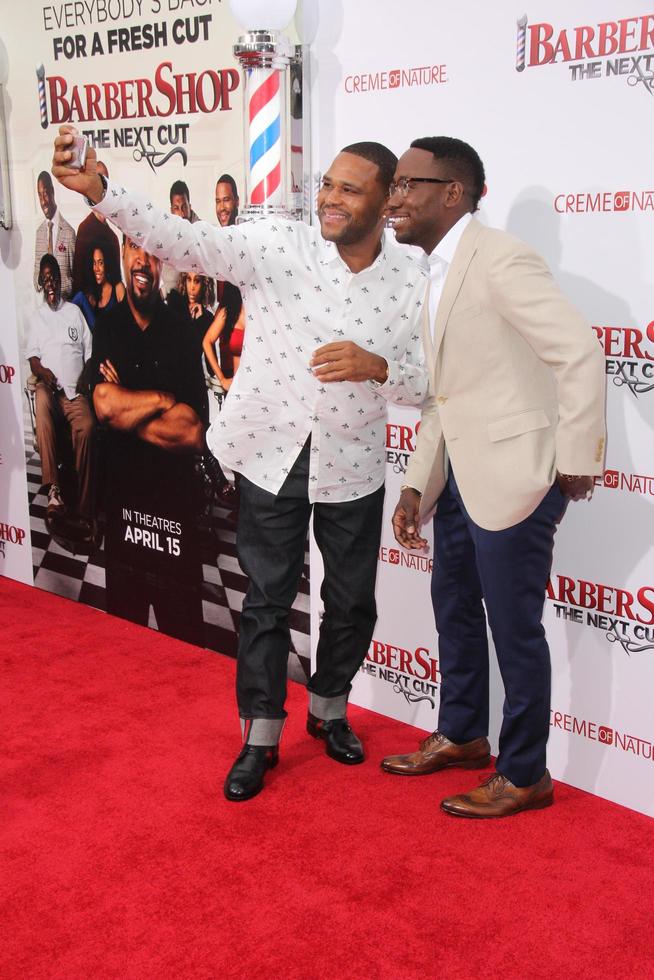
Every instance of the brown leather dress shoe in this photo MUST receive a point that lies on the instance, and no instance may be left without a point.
(498, 797)
(437, 752)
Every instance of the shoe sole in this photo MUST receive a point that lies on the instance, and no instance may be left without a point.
(540, 805)
(337, 758)
(474, 764)
(248, 796)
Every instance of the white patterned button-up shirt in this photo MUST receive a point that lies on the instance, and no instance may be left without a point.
(299, 295)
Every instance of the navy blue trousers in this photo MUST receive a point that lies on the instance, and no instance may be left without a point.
(509, 571)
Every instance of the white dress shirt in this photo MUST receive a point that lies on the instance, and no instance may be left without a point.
(440, 261)
(298, 295)
(62, 341)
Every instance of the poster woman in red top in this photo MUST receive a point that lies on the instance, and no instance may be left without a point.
(230, 344)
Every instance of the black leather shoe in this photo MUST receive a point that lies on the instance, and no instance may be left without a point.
(245, 778)
(340, 741)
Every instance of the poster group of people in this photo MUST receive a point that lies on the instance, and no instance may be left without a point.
(511, 383)
(99, 330)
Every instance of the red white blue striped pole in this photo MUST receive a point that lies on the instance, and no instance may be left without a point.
(264, 132)
(265, 57)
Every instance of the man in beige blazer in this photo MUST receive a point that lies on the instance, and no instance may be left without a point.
(515, 413)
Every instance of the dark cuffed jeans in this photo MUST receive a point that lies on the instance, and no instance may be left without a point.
(272, 531)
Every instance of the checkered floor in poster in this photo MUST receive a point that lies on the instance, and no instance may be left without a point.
(82, 577)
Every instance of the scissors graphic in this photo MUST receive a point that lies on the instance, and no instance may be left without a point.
(639, 77)
(157, 158)
(635, 387)
(412, 698)
(629, 646)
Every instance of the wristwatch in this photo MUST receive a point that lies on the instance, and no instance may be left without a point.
(88, 200)
(405, 486)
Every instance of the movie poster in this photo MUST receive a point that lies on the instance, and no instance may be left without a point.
(141, 531)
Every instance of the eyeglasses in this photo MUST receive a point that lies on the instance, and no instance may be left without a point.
(403, 185)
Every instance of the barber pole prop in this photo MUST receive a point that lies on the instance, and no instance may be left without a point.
(264, 146)
(265, 57)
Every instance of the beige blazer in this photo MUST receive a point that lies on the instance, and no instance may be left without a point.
(517, 385)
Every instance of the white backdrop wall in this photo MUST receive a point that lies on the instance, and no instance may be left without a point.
(567, 145)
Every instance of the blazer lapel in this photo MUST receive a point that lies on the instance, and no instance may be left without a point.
(455, 276)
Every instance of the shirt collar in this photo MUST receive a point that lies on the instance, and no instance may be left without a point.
(444, 251)
(328, 254)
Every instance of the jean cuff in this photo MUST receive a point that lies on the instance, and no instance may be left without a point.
(262, 731)
(327, 709)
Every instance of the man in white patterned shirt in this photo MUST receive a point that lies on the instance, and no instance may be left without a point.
(333, 333)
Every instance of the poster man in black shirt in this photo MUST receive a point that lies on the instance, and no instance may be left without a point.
(149, 394)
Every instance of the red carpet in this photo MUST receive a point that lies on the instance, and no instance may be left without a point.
(121, 859)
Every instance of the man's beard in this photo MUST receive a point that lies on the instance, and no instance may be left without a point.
(144, 304)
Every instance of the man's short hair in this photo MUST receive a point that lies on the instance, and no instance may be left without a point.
(228, 179)
(463, 162)
(179, 188)
(50, 260)
(46, 179)
(383, 158)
